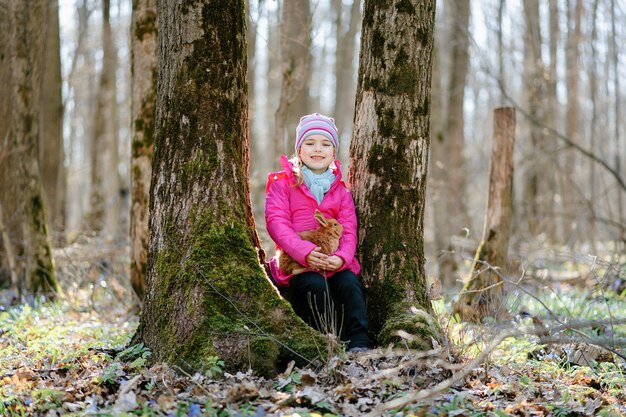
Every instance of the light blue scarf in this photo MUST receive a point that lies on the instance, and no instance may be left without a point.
(318, 184)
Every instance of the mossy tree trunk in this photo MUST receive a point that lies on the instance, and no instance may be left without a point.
(483, 292)
(206, 292)
(389, 155)
(143, 117)
(28, 23)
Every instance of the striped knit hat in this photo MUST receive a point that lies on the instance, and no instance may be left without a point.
(316, 124)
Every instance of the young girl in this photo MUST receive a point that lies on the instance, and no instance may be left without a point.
(312, 180)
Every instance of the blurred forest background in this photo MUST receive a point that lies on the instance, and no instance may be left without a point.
(558, 62)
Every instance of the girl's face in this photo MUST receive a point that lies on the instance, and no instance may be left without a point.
(317, 152)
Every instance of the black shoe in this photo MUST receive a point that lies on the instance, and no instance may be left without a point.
(357, 349)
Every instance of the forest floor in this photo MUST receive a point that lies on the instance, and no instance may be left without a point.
(73, 357)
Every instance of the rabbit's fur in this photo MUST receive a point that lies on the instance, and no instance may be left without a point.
(326, 237)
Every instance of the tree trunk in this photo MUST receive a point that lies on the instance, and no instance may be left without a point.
(534, 87)
(446, 264)
(501, 69)
(482, 294)
(5, 120)
(143, 107)
(51, 155)
(344, 73)
(295, 59)
(454, 139)
(391, 146)
(571, 204)
(617, 118)
(452, 144)
(101, 157)
(206, 292)
(9, 252)
(593, 96)
(28, 23)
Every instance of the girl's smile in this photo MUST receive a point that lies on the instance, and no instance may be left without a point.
(317, 153)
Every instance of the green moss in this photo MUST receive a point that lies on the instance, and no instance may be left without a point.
(378, 46)
(416, 322)
(403, 79)
(226, 300)
(423, 36)
(405, 6)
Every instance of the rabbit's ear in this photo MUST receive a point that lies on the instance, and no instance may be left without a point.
(320, 218)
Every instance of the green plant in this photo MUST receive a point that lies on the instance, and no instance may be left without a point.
(213, 366)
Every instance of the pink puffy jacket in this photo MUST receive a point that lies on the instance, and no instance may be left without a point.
(289, 209)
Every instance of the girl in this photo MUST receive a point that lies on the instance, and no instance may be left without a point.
(312, 180)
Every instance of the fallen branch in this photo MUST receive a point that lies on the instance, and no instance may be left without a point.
(469, 367)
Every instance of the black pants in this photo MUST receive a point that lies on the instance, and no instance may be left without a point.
(343, 311)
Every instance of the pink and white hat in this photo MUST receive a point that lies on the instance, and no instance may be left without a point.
(316, 124)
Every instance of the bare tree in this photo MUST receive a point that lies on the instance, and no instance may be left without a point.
(143, 110)
(534, 89)
(28, 23)
(570, 200)
(295, 59)
(51, 155)
(104, 171)
(344, 71)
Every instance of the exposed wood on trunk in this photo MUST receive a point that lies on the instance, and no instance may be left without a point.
(482, 294)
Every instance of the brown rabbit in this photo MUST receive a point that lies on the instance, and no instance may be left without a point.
(326, 237)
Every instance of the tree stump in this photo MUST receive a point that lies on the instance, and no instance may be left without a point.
(482, 294)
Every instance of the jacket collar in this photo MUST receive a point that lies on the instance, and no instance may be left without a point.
(288, 168)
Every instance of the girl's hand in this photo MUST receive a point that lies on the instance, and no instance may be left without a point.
(334, 263)
(317, 260)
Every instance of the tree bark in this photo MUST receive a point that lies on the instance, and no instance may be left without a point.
(451, 145)
(143, 113)
(617, 119)
(593, 96)
(28, 22)
(207, 293)
(482, 294)
(101, 151)
(436, 200)
(534, 87)
(51, 155)
(295, 53)
(5, 119)
(454, 138)
(391, 146)
(570, 201)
